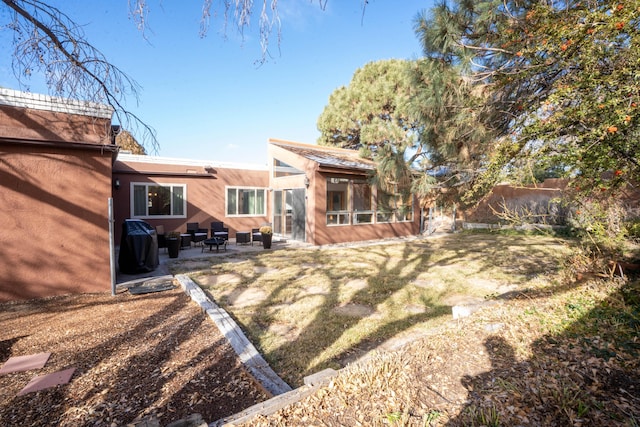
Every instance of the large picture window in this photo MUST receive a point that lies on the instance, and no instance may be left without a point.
(153, 200)
(246, 201)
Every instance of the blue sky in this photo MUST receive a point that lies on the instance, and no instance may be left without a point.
(206, 97)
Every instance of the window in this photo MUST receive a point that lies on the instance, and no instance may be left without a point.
(405, 207)
(394, 207)
(153, 200)
(337, 199)
(384, 207)
(281, 169)
(246, 201)
(362, 211)
(350, 201)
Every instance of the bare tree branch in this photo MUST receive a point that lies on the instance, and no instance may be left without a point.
(47, 40)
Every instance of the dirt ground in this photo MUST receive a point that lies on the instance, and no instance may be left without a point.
(134, 357)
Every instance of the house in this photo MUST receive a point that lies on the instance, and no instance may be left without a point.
(61, 174)
(318, 195)
(173, 192)
(55, 184)
(322, 195)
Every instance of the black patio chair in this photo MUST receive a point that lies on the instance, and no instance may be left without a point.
(219, 230)
(197, 234)
(256, 235)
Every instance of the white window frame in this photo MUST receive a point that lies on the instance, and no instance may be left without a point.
(236, 188)
(350, 215)
(394, 211)
(158, 184)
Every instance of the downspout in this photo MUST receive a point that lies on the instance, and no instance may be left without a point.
(112, 261)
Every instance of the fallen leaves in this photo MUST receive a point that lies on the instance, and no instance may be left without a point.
(137, 356)
(467, 375)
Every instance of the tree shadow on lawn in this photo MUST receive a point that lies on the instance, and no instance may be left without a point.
(327, 335)
(588, 374)
(331, 338)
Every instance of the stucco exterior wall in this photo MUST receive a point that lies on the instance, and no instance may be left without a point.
(538, 200)
(54, 221)
(31, 124)
(317, 230)
(206, 188)
(55, 182)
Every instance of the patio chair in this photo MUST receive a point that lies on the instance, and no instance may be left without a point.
(162, 238)
(256, 235)
(197, 234)
(219, 230)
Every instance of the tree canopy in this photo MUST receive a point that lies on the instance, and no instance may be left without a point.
(127, 142)
(372, 111)
(414, 118)
(563, 80)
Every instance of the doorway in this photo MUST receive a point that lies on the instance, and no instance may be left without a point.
(289, 209)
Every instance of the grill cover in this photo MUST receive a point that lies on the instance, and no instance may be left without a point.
(138, 247)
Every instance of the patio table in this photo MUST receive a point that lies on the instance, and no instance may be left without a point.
(218, 241)
(243, 237)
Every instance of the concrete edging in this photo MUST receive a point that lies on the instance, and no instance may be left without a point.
(247, 353)
(268, 407)
(283, 394)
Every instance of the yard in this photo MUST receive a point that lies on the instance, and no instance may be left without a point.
(548, 345)
(135, 356)
(307, 310)
(551, 343)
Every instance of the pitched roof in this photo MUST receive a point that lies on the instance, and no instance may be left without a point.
(327, 156)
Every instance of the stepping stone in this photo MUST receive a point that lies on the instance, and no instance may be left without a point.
(25, 363)
(264, 270)
(356, 284)
(220, 279)
(354, 310)
(47, 381)
(414, 309)
(154, 285)
(245, 297)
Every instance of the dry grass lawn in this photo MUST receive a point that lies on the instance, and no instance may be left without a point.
(307, 310)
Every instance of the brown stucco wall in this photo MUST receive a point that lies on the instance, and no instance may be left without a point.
(317, 230)
(206, 189)
(536, 199)
(43, 125)
(54, 220)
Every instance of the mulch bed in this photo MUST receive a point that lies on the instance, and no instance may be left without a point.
(135, 357)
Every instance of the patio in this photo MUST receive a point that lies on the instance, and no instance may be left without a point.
(195, 252)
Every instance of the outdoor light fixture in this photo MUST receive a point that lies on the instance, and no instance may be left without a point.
(116, 183)
(306, 181)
